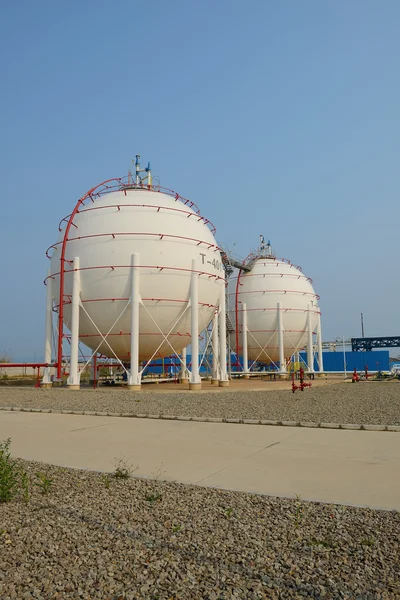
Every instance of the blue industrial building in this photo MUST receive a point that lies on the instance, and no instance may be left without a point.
(377, 360)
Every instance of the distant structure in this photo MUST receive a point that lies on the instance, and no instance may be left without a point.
(369, 343)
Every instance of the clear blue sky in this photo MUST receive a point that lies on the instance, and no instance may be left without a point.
(275, 117)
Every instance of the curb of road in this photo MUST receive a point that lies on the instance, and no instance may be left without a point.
(309, 424)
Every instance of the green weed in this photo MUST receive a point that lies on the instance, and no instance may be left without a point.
(106, 479)
(153, 497)
(44, 482)
(297, 515)
(9, 473)
(123, 470)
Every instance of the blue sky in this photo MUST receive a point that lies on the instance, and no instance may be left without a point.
(279, 118)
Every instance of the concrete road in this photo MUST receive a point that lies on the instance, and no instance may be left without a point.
(348, 467)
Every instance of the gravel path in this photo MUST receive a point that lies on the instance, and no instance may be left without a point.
(98, 537)
(364, 403)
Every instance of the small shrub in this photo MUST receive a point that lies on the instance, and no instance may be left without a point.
(44, 482)
(9, 473)
(323, 543)
(368, 542)
(297, 515)
(106, 479)
(123, 470)
(153, 497)
(159, 473)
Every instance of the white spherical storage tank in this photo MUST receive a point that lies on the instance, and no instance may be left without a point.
(280, 306)
(119, 229)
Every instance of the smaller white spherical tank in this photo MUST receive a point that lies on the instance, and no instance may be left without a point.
(167, 235)
(270, 283)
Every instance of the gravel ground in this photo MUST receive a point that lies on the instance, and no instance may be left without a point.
(95, 536)
(363, 403)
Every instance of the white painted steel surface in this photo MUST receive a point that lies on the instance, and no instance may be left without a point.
(48, 335)
(167, 235)
(134, 378)
(272, 281)
(74, 375)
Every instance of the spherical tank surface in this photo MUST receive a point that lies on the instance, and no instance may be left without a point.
(167, 235)
(271, 282)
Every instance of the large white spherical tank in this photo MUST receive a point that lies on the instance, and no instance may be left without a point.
(167, 235)
(272, 281)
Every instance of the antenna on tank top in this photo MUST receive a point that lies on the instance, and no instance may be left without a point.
(265, 249)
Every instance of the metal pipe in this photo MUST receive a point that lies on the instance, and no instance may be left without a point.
(137, 167)
(183, 375)
(319, 342)
(237, 317)
(60, 331)
(215, 371)
(95, 371)
(134, 380)
(48, 335)
(310, 352)
(73, 382)
(224, 381)
(244, 343)
(282, 365)
(26, 365)
(194, 380)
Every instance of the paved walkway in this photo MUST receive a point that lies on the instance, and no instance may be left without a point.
(349, 467)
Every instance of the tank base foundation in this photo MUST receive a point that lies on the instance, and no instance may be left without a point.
(214, 381)
(184, 380)
(73, 387)
(224, 384)
(46, 386)
(194, 386)
(246, 376)
(134, 388)
(282, 375)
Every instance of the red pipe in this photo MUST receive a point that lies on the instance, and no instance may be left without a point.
(104, 189)
(95, 371)
(62, 272)
(21, 365)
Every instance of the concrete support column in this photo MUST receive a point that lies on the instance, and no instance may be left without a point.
(244, 343)
(224, 381)
(319, 342)
(183, 373)
(73, 382)
(134, 378)
(48, 335)
(310, 349)
(215, 371)
(194, 380)
(282, 364)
